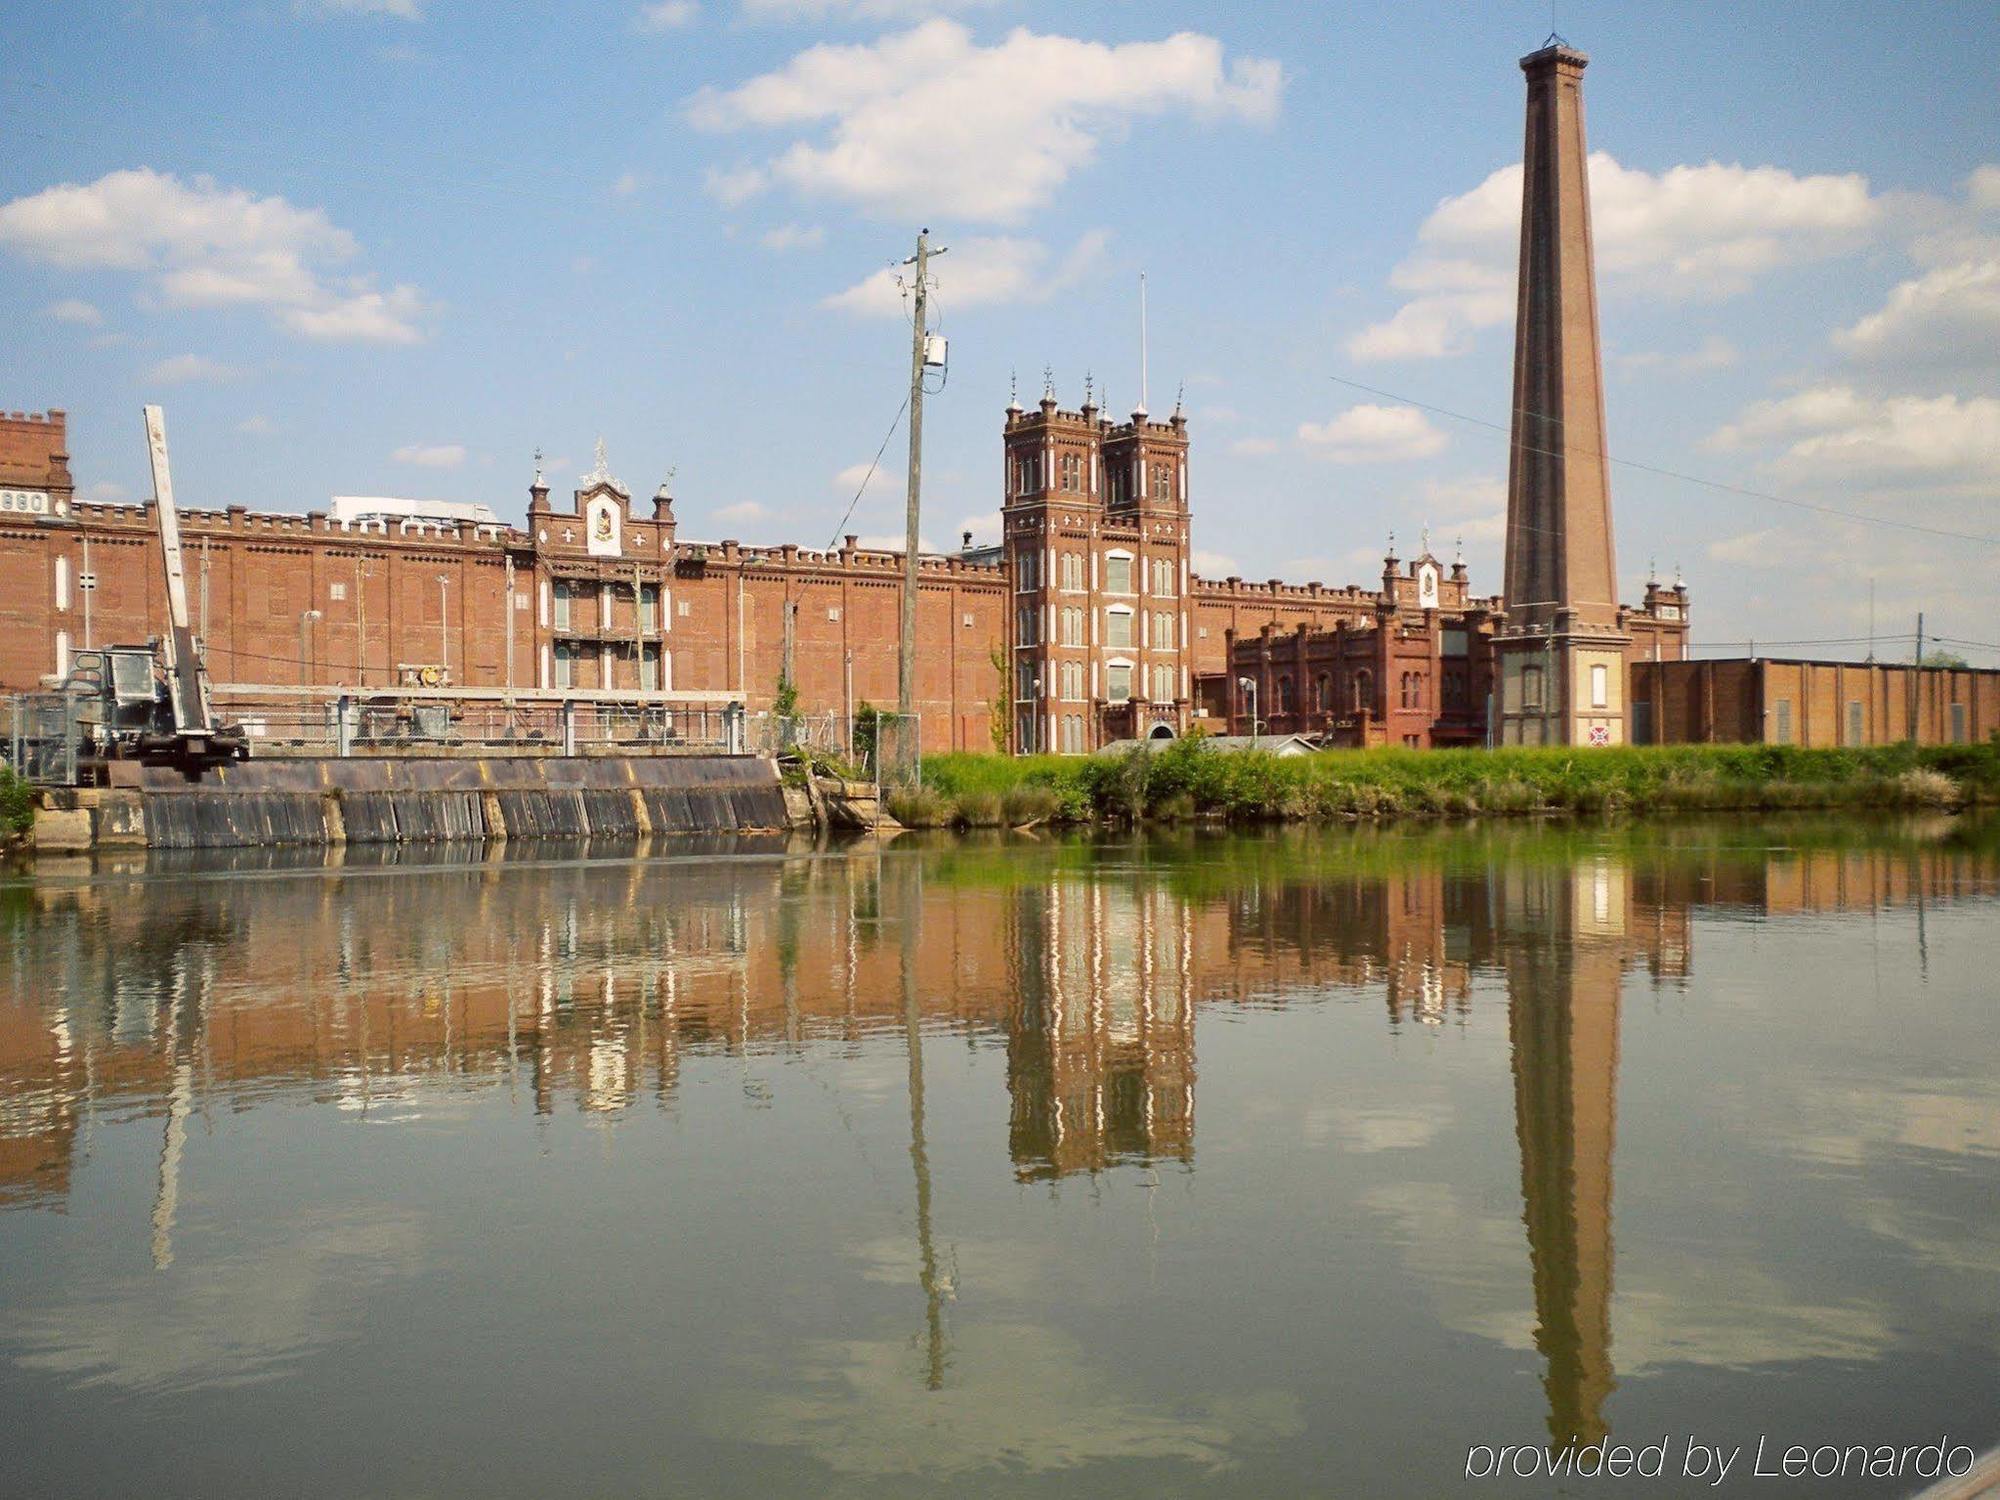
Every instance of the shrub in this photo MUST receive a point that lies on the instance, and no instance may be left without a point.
(17, 805)
(1921, 787)
(1027, 803)
(920, 807)
(977, 809)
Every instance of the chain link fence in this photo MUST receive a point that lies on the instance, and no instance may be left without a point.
(43, 734)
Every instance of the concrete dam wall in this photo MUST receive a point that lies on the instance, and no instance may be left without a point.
(361, 800)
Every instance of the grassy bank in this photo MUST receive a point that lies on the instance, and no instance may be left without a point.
(1187, 781)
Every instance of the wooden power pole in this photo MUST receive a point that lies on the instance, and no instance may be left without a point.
(906, 660)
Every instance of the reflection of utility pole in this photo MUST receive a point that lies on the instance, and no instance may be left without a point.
(927, 1274)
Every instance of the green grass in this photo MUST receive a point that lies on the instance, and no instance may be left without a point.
(1187, 781)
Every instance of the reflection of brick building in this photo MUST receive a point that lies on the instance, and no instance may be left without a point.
(593, 986)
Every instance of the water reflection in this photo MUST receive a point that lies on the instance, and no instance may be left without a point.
(589, 985)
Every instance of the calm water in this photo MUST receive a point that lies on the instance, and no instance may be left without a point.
(1250, 1166)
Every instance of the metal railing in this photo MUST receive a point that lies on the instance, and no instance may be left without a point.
(419, 723)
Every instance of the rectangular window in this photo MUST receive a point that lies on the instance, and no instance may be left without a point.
(1781, 731)
(1163, 631)
(562, 611)
(1531, 688)
(1117, 575)
(1600, 686)
(1118, 682)
(1118, 627)
(1854, 721)
(1958, 723)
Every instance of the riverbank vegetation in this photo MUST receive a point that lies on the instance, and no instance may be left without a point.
(17, 807)
(1188, 781)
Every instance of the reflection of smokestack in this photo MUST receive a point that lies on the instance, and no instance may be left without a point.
(1563, 1025)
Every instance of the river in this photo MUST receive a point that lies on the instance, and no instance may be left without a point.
(1304, 1163)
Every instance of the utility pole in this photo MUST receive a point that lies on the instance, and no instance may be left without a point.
(444, 630)
(1917, 684)
(906, 661)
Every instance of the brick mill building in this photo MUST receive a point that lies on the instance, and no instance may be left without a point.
(1087, 624)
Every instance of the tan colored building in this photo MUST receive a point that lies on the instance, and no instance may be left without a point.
(1822, 704)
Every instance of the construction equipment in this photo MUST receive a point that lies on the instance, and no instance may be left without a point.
(150, 704)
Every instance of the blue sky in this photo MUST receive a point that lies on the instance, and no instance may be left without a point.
(392, 246)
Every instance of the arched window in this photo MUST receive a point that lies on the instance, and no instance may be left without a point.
(1364, 691)
(1284, 695)
(1323, 693)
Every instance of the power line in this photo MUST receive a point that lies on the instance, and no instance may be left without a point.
(1711, 484)
(895, 422)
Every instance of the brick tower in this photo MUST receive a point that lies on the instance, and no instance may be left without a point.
(1095, 520)
(1561, 649)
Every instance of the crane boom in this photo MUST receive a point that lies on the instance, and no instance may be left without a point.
(187, 678)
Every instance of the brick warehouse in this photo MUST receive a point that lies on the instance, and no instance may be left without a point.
(1090, 603)
(1089, 612)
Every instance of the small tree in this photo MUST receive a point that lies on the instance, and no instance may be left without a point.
(1945, 659)
(785, 704)
(866, 730)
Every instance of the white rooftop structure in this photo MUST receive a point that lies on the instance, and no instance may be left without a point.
(351, 508)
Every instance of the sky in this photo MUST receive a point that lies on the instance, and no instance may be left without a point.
(398, 246)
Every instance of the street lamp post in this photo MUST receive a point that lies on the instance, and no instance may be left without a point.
(1249, 685)
(306, 618)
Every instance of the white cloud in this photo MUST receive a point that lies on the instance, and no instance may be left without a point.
(625, 184)
(885, 480)
(736, 186)
(853, 10)
(985, 528)
(793, 237)
(400, 10)
(430, 455)
(362, 317)
(926, 121)
(1838, 435)
(1373, 434)
(74, 310)
(981, 272)
(1253, 447)
(742, 510)
(184, 368)
(666, 15)
(1214, 564)
(1691, 231)
(1750, 547)
(1948, 317)
(205, 245)
(1714, 353)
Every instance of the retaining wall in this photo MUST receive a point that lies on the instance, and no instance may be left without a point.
(362, 800)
